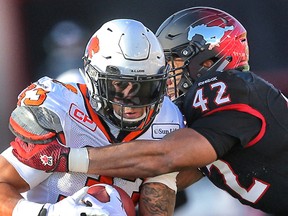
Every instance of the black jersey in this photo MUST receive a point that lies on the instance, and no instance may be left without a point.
(245, 119)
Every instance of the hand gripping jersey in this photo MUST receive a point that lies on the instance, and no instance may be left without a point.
(49, 108)
(246, 120)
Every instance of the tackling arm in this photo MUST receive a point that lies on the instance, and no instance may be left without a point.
(179, 150)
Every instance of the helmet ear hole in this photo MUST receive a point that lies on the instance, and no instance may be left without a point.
(209, 62)
(86, 61)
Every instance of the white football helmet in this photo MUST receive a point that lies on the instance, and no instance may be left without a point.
(125, 52)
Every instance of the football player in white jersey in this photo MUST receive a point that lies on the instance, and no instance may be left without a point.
(123, 99)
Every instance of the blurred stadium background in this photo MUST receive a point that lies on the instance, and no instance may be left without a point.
(48, 37)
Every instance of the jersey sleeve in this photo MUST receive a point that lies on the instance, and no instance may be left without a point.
(227, 128)
(34, 124)
(36, 119)
(32, 176)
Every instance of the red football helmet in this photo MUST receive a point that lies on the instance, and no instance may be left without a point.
(199, 34)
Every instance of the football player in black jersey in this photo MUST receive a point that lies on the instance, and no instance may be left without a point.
(237, 123)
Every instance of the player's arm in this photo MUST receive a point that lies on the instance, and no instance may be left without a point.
(179, 150)
(158, 194)
(156, 199)
(188, 177)
(11, 184)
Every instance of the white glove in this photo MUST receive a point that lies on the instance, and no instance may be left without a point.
(72, 206)
(114, 206)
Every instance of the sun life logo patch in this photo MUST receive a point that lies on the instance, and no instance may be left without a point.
(160, 130)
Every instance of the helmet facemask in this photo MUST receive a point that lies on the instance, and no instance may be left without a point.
(111, 89)
(179, 80)
(180, 76)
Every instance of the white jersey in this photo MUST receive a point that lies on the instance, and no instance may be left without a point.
(81, 127)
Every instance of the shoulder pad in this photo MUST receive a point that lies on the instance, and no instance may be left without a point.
(34, 124)
(244, 75)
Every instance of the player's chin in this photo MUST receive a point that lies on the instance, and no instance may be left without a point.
(131, 115)
(171, 95)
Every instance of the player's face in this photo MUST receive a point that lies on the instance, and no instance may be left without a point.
(176, 75)
(126, 94)
(129, 112)
(172, 82)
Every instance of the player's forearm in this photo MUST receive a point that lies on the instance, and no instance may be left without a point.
(8, 199)
(156, 199)
(179, 150)
(11, 185)
(146, 160)
(12, 203)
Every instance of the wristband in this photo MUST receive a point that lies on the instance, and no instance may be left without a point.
(25, 207)
(78, 160)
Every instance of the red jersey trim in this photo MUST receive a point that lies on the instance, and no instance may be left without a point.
(134, 134)
(92, 113)
(246, 109)
(131, 136)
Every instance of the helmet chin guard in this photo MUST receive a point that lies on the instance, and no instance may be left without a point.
(125, 66)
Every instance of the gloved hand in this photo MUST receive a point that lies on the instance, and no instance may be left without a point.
(49, 157)
(114, 206)
(73, 206)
